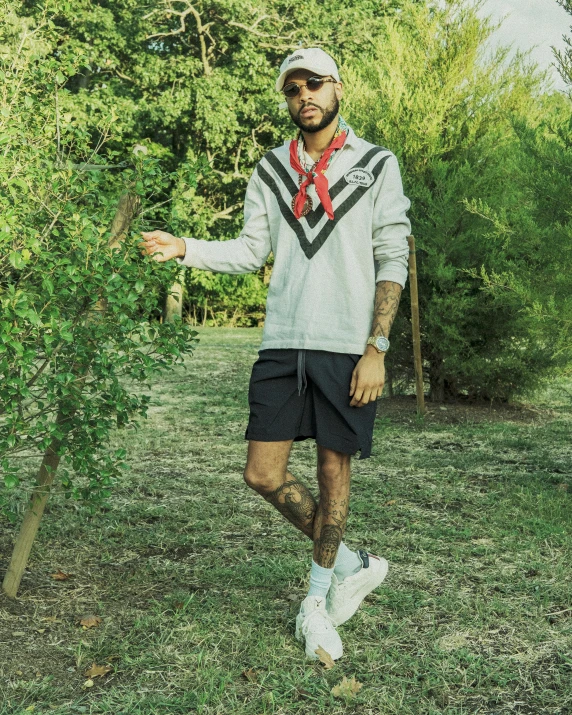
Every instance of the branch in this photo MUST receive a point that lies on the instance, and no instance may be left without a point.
(264, 35)
(225, 213)
(123, 76)
(57, 122)
(91, 167)
(237, 158)
(202, 30)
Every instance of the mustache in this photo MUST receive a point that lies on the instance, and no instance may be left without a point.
(309, 104)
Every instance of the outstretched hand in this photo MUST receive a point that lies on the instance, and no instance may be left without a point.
(162, 246)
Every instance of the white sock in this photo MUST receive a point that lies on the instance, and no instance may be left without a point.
(347, 563)
(320, 579)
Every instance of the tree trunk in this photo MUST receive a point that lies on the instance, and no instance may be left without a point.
(436, 379)
(389, 380)
(127, 208)
(174, 303)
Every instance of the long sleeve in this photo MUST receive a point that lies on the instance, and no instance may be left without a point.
(244, 254)
(391, 226)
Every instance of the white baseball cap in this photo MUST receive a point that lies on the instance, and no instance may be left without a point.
(309, 58)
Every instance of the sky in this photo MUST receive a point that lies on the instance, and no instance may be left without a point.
(531, 23)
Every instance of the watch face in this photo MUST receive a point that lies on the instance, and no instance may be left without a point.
(382, 343)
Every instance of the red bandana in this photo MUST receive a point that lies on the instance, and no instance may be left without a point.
(314, 176)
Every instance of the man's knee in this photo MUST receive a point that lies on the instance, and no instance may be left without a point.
(266, 466)
(255, 479)
(333, 469)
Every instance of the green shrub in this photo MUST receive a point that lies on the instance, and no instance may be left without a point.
(76, 339)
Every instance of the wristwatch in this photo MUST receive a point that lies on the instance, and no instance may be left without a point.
(380, 343)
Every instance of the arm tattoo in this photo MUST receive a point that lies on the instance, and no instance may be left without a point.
(387, 295)
(295, 502)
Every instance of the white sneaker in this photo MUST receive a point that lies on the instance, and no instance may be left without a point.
(313, 624)
(344, 598)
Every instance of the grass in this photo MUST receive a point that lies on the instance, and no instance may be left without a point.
(198, 581)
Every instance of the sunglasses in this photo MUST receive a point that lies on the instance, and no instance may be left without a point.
(314, 84)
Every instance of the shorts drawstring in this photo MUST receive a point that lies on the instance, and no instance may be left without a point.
(302, 371)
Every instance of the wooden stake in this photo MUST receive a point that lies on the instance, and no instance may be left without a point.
(419, 388)
(33, 516)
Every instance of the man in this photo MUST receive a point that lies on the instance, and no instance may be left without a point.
(330, 206)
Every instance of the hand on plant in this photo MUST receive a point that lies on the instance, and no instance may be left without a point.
(162, 246)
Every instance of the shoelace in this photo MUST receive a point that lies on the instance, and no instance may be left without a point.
(324, 616)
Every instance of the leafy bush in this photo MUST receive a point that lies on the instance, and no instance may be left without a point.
(76, 335)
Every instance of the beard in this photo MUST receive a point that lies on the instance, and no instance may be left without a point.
(328, 116)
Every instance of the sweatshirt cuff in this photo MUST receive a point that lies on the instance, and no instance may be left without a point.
(188, 258)
(391, 274)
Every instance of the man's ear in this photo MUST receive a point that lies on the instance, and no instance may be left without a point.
(339, 87)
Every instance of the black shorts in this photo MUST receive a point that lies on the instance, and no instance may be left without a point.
(301, 394)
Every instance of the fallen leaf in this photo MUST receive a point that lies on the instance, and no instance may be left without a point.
(60, 575)
(18, 633)
(562, 487)
(293, 597)
(19, 672)
(50, 619)
(90, 621)
(347, 688)
(325, 657)
(97, 671)
(41, 630)
(390, 502)
(30, 708)
(250, 675)
(88, 684)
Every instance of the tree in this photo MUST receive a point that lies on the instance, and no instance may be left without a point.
(430, 92)
(75, 334)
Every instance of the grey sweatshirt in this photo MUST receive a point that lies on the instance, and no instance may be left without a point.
(322, 288)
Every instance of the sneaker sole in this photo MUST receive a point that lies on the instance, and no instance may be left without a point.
(362, 593)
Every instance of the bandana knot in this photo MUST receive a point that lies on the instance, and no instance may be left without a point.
(302, 203)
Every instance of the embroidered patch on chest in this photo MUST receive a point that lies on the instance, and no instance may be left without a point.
(361, 177)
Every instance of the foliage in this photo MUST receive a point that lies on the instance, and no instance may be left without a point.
(430, 93)
(193, 83)
(540, 282)
(75, 334)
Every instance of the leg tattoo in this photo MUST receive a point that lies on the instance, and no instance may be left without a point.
(330, 523)
(295, 502)
(327, 545)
